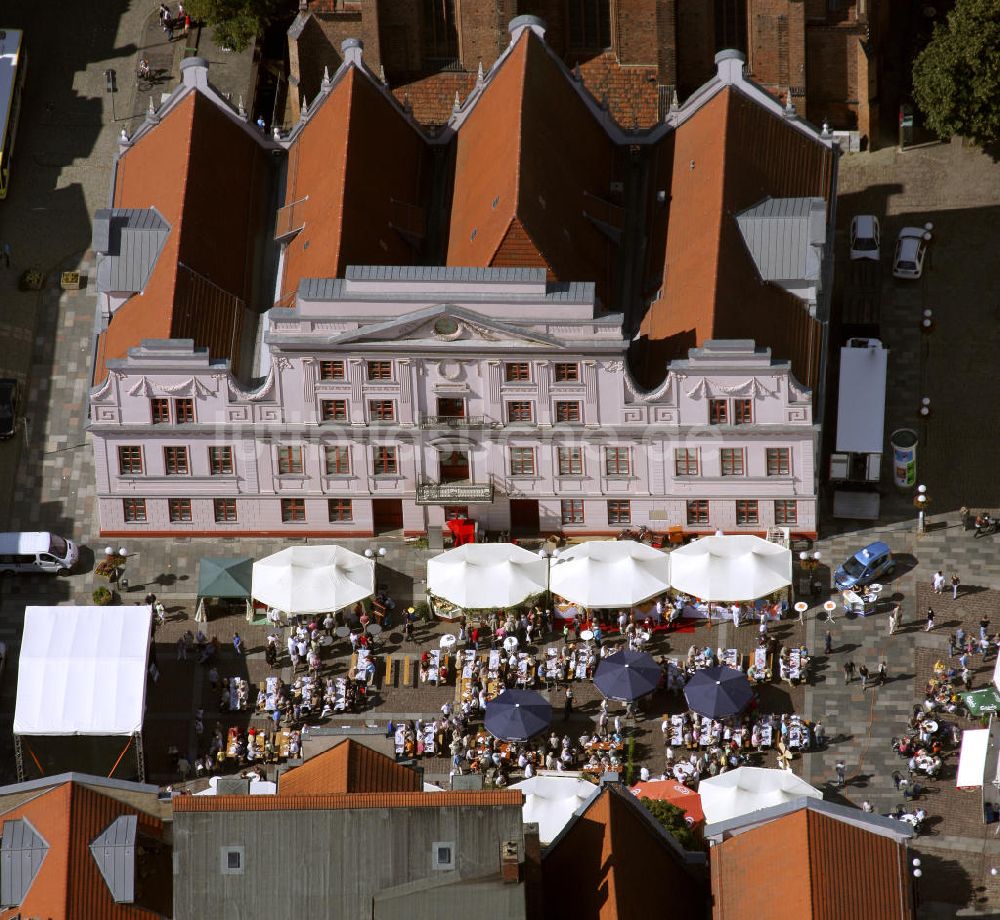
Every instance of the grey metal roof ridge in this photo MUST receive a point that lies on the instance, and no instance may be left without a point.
(85, 779)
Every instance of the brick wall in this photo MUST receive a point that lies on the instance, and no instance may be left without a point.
(431, 98)
(401, 37)
(695, 44)
(635, 31)
(666, 49)
(482, 33)
(832, 58)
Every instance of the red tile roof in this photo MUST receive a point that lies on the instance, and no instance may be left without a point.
(532, 162)
(349, 767)
(707, 283)
(357, 173)
(810, 866)
(208, 177)
(432, 98)
(339, 802)
(613, 864)
(69, 884)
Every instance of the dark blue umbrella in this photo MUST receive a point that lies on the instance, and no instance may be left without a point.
(718, 692)
(517, 715)
(627, 675)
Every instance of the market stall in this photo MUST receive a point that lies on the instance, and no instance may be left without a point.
(224, 581)
(550, 800)
(483, 576)
(312, 579)
(747, 789)
(81, 690)
(734, 567)
(601, 574)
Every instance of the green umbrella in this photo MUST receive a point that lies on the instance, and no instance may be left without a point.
(225, 576)
(980, 702)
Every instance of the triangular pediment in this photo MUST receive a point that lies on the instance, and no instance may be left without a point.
(448, 324)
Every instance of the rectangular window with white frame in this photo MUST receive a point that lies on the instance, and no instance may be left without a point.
(522, 461)
(568, 412)
(747, 512)
(338, 460)
(619, 512)
(731, 459)
(779, 461)
(685, 461)
(570, 461)
(572, 511)
(786, 512)
(520, 410)
(617, 461)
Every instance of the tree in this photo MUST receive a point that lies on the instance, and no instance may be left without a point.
(237, 23)
(672, 819)
(956, 78)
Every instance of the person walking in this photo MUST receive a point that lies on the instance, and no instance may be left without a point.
(937, 582)
(930, 619)
(984, 625)
(848, 671)
(819, 734)
(568, 705)
(863, 676)
(828, 643)
(881, 674)
(955, 582)
(237, 643)
(893, 619)
(841, 769)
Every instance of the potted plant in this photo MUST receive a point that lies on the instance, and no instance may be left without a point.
(103, 596)
(32, 280)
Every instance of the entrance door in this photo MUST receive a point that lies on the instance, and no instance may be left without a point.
(454, 466)
(387, 514)
(524, 517)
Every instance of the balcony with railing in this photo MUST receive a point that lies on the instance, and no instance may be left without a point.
(454, 493)
(454, 421)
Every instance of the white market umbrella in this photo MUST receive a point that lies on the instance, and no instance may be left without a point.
(735, 567)
(313, 579)
(550, 801)
(476, 576)
(610, 573)
(738, 792)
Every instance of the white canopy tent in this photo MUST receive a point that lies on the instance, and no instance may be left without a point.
(82, 671)
(312, 579)
(551, 800)
(747, 789)
(610, 573)
(972, 757)
(734, 567)
(476, 576)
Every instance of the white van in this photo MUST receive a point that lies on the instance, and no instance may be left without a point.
(36, 552)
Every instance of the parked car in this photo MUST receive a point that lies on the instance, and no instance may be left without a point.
(865, 237)
(9, 392)
(911, 247)
(865, 566)
(31, 552)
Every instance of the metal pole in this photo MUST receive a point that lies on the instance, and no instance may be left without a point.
(19, 758)
(140, 759)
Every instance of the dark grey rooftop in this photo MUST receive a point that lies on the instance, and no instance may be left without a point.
(128, 241)
(785, 236)
(444, 273)
(114, 852)
(22, 852)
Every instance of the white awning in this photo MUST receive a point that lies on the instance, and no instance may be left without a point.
(972, 757)
(550, 801)
(747, 789)
(476, 576)
(610, 573)
(861, 403)
(735, 567)
(312, 579)
(82, 670)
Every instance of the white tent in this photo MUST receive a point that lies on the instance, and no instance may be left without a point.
(736, 567)
(746, 789)
(82, 671)
(313, 579)
(551, 801)
(972, 758)
(480, 575)
(610, 573)
(257, 786)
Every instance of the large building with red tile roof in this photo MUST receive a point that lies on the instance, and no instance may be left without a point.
(349, 767)
(811, 860)
(632, 54)
(549, 272)
(81, 847)
(614, 861)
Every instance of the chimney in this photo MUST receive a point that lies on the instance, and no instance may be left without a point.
(352, 50)
(520, 23)
(729, 66)
(194, 72)
(510, 862)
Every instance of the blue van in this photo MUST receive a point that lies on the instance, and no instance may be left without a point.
(865, 566)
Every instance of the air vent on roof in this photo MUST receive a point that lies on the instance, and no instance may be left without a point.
(496, 201)
(474, 234)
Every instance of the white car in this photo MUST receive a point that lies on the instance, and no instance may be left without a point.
(865, 237)
(911, 247)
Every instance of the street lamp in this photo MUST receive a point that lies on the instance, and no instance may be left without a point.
(122, 579)
(376, 553)
(917, 874)
(921, 503)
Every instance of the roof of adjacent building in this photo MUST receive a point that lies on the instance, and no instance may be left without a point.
(131, 240)
(830, 868)
(349, 767)
(785, 237)
(346, 801)
(533, 173)
(358, 176)
(77, 856)
(189, 169)
(602, 863)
